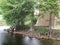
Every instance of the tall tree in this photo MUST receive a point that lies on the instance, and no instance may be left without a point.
(49, 6)
(15, 11)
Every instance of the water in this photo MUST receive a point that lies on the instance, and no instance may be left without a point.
(7, 39)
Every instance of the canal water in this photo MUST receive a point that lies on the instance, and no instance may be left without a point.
(8, 39)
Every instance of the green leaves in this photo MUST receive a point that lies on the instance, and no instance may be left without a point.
(49, 6)
(16, 11)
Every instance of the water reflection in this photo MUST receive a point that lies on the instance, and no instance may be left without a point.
(35, 41)
(56, 43)
(2, 34)
(31, 41)
(26, 40)
(6, 39)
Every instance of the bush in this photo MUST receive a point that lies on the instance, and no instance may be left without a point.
(41, 29)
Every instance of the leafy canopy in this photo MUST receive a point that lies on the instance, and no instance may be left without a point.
(16, 11)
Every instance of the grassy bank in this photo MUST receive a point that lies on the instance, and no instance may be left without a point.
(2, 21)
(41, 29)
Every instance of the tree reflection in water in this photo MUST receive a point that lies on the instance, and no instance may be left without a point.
(26, 40)
(35, 41)
(7, 39)
(31, 41)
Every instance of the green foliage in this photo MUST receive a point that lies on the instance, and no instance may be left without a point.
(16, 11)
(49, 6)
(58, 23)
(2, 21)
(40, 29)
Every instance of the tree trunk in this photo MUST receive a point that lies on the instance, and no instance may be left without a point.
(50, 24)
(32, 23)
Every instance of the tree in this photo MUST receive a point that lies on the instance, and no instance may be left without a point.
(15, 11)
(49, 6)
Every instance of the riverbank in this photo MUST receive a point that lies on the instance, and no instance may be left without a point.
(36, 35)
